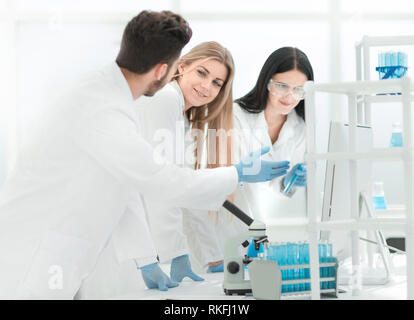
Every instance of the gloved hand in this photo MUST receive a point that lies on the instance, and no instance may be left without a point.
(154, 277)
(251, 250)
(181, 268)
(252, 169)
(298, 172)
(217, 268)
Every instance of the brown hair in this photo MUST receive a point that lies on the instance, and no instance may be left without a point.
(218, 114)
(151, 38)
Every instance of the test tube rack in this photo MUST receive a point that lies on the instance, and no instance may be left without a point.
(328, 280)
(292, 260)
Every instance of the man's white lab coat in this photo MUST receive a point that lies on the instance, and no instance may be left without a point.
(168, 131)
(72, 185)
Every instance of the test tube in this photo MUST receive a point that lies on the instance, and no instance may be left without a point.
(380, 59)
(387, 59)
(282, 254)
(301, 262)
(289, 261)
(295, 260)
(322, 259)
(306, 261)
(331, 273)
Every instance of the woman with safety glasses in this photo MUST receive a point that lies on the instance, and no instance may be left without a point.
(272, 114)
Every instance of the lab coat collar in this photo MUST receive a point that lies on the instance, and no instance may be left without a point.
(287, 132)
(176, 86)
(289, 128)
(120, 80)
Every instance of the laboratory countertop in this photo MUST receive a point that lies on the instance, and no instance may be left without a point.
(211, 289)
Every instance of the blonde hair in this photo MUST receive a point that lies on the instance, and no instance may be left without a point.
(218, 114)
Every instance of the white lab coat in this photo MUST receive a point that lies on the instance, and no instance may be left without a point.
(67, 198)
(172, 228)
(264, 201)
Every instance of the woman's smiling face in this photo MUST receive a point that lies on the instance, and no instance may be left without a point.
(201, 81)
(292, 80)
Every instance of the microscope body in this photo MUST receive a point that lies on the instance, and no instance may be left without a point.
(234, 271)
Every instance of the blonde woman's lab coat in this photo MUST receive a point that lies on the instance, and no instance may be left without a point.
(172, 228)
(264, 201)
(67, 198)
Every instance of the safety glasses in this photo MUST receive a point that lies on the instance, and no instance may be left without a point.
(283, 89)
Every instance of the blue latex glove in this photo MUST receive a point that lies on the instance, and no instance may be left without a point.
(154, 277)
(218, 268)
(298, 174)
(181, 268)
(252, 169)
(251, 250)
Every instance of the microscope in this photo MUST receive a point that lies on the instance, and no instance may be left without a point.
(265, 276)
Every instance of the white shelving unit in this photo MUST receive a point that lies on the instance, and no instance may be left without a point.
(363, 70)
(355, 92)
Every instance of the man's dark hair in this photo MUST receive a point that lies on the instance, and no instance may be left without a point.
(151, 38)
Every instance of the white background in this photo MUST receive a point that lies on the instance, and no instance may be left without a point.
(46, 44)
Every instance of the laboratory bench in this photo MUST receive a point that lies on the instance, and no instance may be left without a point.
(211, 289)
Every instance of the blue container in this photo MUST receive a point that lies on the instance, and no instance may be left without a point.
(396, 139)
(379, 203)
(391, 65)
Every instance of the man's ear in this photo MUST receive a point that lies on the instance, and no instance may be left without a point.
(160, 70)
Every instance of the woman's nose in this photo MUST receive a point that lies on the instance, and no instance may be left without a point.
(206, 84)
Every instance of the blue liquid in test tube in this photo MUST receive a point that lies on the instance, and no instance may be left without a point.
(290, 261)
(322, 259)
(306, 261)
(295, 252)
(301, 261)
(331, 273)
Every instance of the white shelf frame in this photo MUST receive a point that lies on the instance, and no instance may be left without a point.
(364, 65)
(353, 90)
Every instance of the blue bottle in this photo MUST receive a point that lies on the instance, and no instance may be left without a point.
(378, 196)
(396, 137)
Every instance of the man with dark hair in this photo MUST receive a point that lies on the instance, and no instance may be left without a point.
(150, 39)
(66, 202)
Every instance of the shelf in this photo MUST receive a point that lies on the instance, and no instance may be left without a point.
(364, 224)
(386, 41)
(384, 223)
(385, 98)
(367, 87)
(378, 154)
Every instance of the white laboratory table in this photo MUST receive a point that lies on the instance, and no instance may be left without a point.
(211, 289)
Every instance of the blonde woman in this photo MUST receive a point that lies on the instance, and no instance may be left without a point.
(200, 95)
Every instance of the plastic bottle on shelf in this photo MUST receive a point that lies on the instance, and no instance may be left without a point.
(396, 136)
(378, 196)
